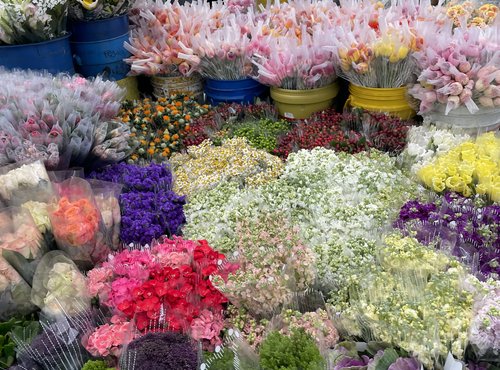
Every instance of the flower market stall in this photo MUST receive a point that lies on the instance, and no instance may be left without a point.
(305, 185)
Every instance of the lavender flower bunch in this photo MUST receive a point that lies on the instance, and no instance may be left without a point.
(64, 121)
(462, 226)
(149, 207)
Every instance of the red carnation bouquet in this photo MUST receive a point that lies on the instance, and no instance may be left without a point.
(168, 286)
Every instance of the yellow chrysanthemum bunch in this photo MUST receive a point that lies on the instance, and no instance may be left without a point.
(471, 167)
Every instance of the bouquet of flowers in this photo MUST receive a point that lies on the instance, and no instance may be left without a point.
(206, 165)
(167, 285)
(77, 224)
(376, 53)
(157, 128)
(469, 168)
(62, 121)
(294, 63)
(463, 227)
(59, 287)
(460, 69)
(468, 13)
(149, 207)
(21, 243)
(223, 53)
(21, 182)
(274, 264)
(163, 30)
(26, 22)
(98, 9)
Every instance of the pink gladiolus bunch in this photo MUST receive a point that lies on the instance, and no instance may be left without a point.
(461, 68)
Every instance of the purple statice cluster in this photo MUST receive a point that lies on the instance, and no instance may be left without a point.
(148, 205)
(461, 226)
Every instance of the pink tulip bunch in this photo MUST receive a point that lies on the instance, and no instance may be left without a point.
(293, 63)
(461, 68)
(223, 53)
(163, 30)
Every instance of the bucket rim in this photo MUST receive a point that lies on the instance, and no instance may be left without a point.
(62, 38)
(379, 89)
(102, 41)
(333, 85)
(94, 21)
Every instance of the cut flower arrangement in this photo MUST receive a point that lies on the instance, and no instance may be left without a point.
(26, 22)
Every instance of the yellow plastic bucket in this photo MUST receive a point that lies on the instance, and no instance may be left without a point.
(300, 104)
(130, 84)
(391, 101)
(164, 87)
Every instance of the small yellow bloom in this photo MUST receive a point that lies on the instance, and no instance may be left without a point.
(89, 5)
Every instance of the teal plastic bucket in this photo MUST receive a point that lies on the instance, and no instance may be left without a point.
(98, 47)
(238, 91)
(53, 56)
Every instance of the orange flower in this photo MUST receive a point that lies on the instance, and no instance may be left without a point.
(166, 118)
(178, 104)
(126, 119)
(166, 137)
(187, 117)
(159, 108)
(151, 151)
(157, 140)
(147, 112)
(175, 137)
(186, 98)
(187, 128)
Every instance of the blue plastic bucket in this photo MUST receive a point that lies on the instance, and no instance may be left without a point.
(98, 47)
(238, 91)
(54, 56)
(98, 30)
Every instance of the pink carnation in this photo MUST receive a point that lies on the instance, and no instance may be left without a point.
(121, 290)
(207, 326)
(108, 339)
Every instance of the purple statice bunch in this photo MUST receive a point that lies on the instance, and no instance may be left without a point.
(159, 351)
(149, 207)
(461, 226)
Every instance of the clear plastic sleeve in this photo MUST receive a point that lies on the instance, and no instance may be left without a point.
(59, 288)
(76, 223)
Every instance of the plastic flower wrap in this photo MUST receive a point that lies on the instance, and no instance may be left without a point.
(274, 264)
(163, 30)
(375, 49)
(484, 328)
(416, 299)
(21, 243)
(77, 224)
(158, 128)
(59, 287)
(206, 165)
(360, 355)
(469, 13)
(464, 227)
(149, 207)
(106, 196)
(24, 181)
(461, 68)
(293, 63)
(63, 121)
(472, 167)
(223, 53)
(168, 285)
(14, 292)
(26, 22)
(98, 9)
